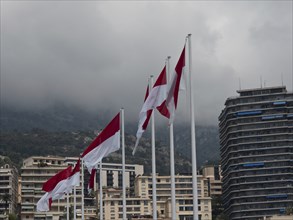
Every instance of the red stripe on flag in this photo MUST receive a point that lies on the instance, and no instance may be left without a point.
(76, 168)
(162, 79)
(178, 70)
(109, 131)
(53, 181)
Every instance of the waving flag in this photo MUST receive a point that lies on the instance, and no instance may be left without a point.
(54, 188)
(74, 178)
(105, 143)
(169, 106)
(153, 99)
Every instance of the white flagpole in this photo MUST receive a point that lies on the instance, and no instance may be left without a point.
(101, 192)
(153, 158)
(82, 190)
(172, 164)
(67, 205)
(123, 164)
(74, 201)
(193, 141)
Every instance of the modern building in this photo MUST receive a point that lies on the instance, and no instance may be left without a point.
(8, 190)
(256, 138)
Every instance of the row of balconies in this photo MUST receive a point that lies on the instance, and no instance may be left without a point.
(257, 201)
(258, 138)
(244, 186)
(236, 176)
(261, 133)
(240, 201)
(288, 139)
(251, 110)
(234, 126)
(254, 128)
(259, 149)
(255, 116)
(276, 154)
(253, 207)
(258, 178)
(242, 104)
(255, 189)
(256, 164)
(245, 150)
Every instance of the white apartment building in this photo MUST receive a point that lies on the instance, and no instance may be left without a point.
(184, 196)
(8, 190)
(37, 170)
(113, 205)
(34, 172)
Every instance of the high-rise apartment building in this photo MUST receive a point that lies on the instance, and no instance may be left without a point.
(256, 137)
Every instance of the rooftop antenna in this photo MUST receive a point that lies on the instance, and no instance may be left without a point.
(264, 83)
(282, 79)
(260, 82)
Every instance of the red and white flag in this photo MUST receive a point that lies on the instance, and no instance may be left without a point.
(153, 99)
(105, 143)
(54, 188)
(74, 179)
(169, 106)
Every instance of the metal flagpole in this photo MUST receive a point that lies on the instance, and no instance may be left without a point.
(82, 190)
(67, 205)
(153, 158)
(172, 170)
(101, 192)
(172, 164)
(123, 164)
(74, 201)
(193, 141)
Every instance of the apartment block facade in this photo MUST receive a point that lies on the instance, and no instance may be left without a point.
(256, 138)
(37, 170)
(34, 172)
(8, 190)
(184, 196)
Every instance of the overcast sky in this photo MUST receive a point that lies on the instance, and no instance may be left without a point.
(99, 54)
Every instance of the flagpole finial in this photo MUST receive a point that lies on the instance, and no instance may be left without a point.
(188, 35)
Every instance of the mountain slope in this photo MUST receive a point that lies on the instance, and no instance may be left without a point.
(66, 131)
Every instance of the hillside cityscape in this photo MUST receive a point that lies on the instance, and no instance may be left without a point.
(256, 153)
(146, 110)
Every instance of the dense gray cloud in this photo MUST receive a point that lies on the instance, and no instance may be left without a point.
(98, 54)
